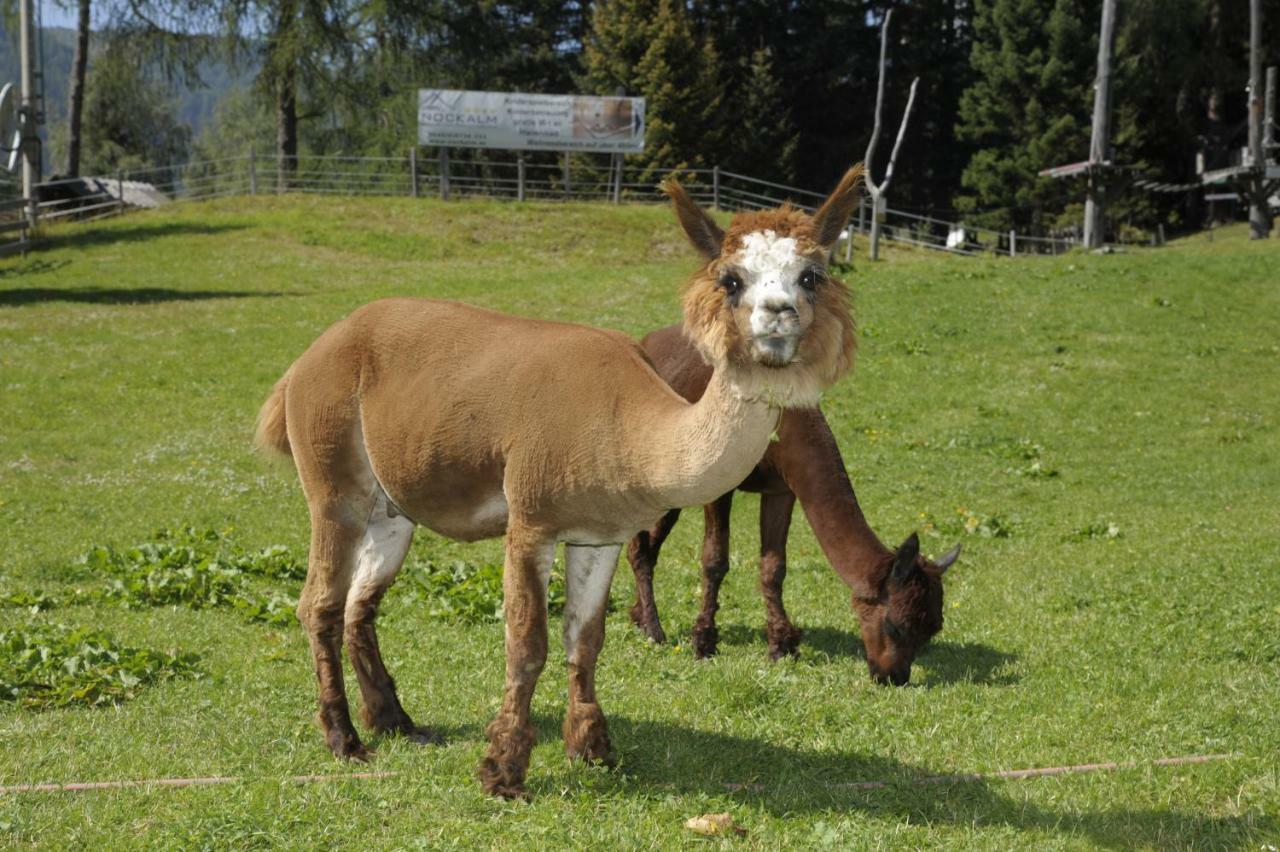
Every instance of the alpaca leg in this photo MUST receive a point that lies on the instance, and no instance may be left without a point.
(524, 590)
(335, 535)
(715, 564)
(642, 553)
(588, 573)
(775, 523)
(380, 554)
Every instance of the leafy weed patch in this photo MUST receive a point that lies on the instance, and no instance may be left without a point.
(197, 569)
(468, 592)
(53, 666)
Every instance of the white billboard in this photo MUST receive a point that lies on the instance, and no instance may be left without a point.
(462, 119)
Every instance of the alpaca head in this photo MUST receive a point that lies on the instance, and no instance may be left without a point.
(764, 310)
(901, 615)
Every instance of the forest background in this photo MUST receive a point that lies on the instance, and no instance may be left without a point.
(782, 91)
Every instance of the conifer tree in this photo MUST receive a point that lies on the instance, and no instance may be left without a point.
(1028, 108)
(764, 138)
(649, 48)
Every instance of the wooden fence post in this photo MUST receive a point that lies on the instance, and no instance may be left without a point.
(520, 177)
(566, 175)
(120, 187)
(1013, 244)
(413, 172)
(715, 187)
(617, 181)
(444, 173)
(253, 172)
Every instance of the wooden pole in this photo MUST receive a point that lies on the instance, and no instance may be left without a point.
(1100, 143)
(617, 159)
(1013, 244)
(444, 172)
(566, 175)
(1259, 210)
(715, 187)
(520, 177)
(1269, 113)
(413, 172)
(29, 112)
(253, 172)
(120, 188)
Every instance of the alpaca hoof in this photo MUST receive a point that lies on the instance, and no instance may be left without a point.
(784, 641)
(345, 745)
(586, 736)
(503, 768)
(501, 782)
(648, 625)
(356, 752)
(705, 642)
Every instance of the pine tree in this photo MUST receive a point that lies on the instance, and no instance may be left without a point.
(1028, 108)
(650, 50)
(764, 138)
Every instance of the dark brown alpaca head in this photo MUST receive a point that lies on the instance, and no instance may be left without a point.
(905, 614)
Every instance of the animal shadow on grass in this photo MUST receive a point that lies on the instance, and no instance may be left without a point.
(445, 734)
(940, 662)
(658, 758)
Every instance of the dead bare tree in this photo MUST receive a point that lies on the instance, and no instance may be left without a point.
(1259, 203)
(879, 191)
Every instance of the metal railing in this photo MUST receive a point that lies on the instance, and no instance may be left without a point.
(498, 175)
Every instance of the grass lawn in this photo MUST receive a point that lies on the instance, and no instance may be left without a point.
(1101, 432)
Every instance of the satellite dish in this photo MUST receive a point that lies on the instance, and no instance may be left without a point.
(10, 131)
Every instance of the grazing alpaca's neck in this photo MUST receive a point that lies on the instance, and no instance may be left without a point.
(808, 459)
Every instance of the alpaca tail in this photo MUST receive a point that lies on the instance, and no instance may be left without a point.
(271, 434)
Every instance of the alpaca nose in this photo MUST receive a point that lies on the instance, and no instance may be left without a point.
(777, 317)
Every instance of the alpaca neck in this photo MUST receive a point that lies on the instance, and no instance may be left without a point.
(710, 446)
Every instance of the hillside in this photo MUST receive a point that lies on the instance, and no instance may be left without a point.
(1100, 432)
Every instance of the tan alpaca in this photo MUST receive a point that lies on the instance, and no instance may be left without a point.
(474, 424)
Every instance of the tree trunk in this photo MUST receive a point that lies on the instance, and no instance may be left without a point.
(283, 61)
(286, 128)
(75, 107)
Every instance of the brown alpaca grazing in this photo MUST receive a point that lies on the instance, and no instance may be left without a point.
(476, 424)
(897, 595)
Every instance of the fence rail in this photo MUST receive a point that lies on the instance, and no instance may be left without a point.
(576, 178)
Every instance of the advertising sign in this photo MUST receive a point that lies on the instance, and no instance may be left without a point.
(518, 122)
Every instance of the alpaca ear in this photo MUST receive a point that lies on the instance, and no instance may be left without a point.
(830, 219)
(703, 232)
(945, 561)
(904, 561)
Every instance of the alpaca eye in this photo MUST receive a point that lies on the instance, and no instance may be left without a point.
(731, 284)
(809, 279)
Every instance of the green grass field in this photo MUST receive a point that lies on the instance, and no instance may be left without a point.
(1101, 432)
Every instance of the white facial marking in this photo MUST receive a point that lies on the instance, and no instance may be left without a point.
(771, 267)
(380, 553)
(588, 574)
